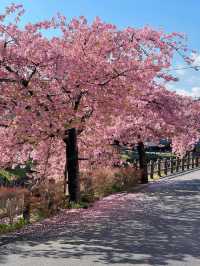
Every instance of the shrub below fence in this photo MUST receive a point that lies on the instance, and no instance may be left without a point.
(12, 202)
(103, 181)
(47, 199)
(42, 201)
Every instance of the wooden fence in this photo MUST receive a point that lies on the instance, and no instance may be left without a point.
(13, 203)
(171, 165)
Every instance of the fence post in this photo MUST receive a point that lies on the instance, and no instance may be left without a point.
(192, 160)
(177, 164)
(27, 208)
(197, 161)
(138, 164)
(135, 164)
(151, 169)
(188, 161)
(159, 167)
(172, 165)
(165, 166)
(183, 164)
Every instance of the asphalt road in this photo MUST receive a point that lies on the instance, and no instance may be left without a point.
(159, 225)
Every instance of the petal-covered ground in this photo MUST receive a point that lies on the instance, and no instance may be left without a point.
(156, 225)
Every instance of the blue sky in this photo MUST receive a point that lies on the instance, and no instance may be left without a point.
(170, 15)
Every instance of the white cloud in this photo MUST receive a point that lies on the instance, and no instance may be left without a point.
(171, 86)
(196, 58)
(192, 78)
(194, 92)
(188, 83)
(180, 71)
(183, 92)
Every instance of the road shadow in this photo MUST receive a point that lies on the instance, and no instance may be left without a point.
(159, 224)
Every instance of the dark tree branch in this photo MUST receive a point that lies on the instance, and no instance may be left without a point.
(5, 126)
(78, 100)
(8, 80)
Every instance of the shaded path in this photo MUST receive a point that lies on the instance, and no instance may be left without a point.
(159, 225)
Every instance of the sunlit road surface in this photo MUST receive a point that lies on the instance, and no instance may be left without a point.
(159, 225)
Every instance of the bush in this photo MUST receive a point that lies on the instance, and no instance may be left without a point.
(128, 177)
(47, 198)
(104, 181)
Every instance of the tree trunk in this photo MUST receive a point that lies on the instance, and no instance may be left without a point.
(72, 166)
(142, 162)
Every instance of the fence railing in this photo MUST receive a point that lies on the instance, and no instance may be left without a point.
(13, 203)
(171, 165)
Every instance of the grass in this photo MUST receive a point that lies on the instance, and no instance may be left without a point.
(5, 174)
(5, 228)
(75, 205)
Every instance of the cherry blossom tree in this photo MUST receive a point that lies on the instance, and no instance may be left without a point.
(158, 114)
(53, 89)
